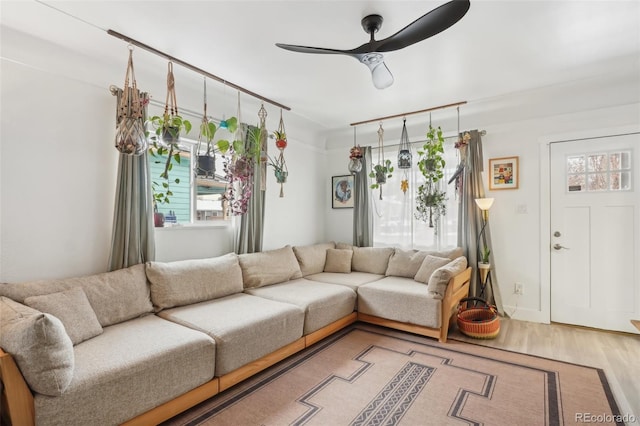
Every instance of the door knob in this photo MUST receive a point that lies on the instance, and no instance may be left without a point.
(559, 247)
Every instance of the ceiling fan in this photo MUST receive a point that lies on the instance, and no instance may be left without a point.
(370, 54)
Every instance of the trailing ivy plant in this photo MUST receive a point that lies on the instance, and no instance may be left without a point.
(430, 200)
(167, 129)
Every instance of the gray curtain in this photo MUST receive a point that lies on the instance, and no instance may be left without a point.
(470, 222)
(132, 239)
(251, 229)
(362, 214)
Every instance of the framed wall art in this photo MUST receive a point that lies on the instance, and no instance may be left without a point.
(503, 173)
(342, 192)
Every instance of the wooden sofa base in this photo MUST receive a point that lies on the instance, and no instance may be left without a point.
(17, 399)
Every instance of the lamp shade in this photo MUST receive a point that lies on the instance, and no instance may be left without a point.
(484, 203)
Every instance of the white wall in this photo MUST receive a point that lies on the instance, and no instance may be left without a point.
(58, 164)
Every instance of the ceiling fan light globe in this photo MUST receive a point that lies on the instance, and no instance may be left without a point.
(382, 77)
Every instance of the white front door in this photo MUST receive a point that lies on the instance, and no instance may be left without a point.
(595, 232)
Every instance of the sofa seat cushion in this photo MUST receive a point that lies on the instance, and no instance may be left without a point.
(114, 296)
(352, 280)
(312, 257)
(245, 327)
(322, 303)
(129, 369)
(400, 299)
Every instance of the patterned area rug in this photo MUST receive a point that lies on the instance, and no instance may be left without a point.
(367, 375)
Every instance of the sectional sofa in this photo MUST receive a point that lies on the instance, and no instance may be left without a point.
(139, 345)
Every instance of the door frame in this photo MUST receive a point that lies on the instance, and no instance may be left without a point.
(545, 203)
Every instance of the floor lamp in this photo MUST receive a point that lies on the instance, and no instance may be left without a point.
(484, 266)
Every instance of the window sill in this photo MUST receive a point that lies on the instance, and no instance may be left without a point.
(194, 226)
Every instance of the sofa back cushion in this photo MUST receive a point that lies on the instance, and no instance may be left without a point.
(373, 260)
(312, 258)
(269, 267)
(114, 296)
(338, 260)
(40, 346)
(73, 309)
(185, 282)
(440, 278)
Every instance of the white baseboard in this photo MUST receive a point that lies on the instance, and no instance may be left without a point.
(524, 314)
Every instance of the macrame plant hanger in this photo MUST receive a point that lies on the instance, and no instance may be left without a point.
(405, 157)
(383, 169)
(130, 134)
(280, 166)
(264, 156)
(206, 161)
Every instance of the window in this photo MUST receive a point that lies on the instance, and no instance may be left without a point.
(599, 172)
(195, 199)
(394, 223)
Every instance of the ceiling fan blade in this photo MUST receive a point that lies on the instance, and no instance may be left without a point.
(306, 49)
(382, 77)
(430, 24)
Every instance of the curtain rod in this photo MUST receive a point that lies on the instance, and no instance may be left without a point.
(193, 68)
(409, 113)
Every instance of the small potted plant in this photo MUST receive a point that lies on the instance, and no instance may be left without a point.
(281, 139)
(484, 264)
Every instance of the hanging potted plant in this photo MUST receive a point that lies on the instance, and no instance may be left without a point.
(165, 141)
(431, 200)
(383, 169)
(206, 157)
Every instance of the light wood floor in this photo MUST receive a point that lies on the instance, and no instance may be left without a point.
(618, 354)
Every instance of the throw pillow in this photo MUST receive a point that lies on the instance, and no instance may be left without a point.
(39, 345)
(269, 267)
(338, 260)
(184, 282)
(440, 278)
(73, 309)
(429, 265)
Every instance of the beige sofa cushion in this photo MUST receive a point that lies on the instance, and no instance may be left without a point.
(40, 346)
(405, 263)
(269, 267)
(245, 327)
(400, 299)
(312, 257)
(322, 303)
(114, 296)
(127, 370)
(190, 281)
(338, 260)
(429, 265)
(371, 259)
(441, 276)
(72, 308)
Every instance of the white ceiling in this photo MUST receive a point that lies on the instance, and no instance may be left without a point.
(498, 49)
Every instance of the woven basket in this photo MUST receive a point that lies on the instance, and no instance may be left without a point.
(478, 322)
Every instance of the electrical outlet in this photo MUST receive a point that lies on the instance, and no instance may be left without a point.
(518, 288)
